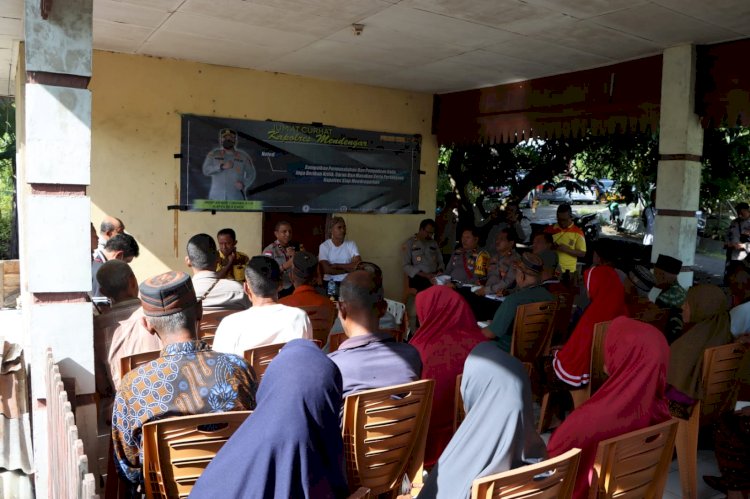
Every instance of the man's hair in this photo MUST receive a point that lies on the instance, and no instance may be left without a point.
(184, 319)
(426, 223)
(565, 208)
(510, 233)
(125, 243)
(742, 206)
(202, 252)
(107, 225)
(547, 237)
(360, 293)
(114, 278)
(263, 276)
(227, 232)
(279, 224)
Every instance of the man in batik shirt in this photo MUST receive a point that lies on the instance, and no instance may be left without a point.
(187, 378)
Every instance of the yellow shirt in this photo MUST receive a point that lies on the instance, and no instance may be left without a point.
(238, 267)
(573, 238)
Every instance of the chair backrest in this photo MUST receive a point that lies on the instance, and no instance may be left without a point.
(177, 450)
(321, 322)
(397, 309)
(459, 413)
(135, 361)
(551, 479)
(335, 340)
(598, 376)
(657, 317)
(398, 334)
(260, 357)
(563, 314)
(720, 366)
(634, 465)
(384, 435)
(532, 330)
(210, 322)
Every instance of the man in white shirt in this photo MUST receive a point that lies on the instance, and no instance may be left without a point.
(267, 321)
(337, 256)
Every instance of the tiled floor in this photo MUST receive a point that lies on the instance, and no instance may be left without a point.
(706, 466)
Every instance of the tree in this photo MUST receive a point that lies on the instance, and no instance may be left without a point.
(8, 199)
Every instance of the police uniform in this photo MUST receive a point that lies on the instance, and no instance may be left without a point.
(468, 267)
(735, 235)
(502, 272)
(278, 252)
(223, 180)
(421, 256)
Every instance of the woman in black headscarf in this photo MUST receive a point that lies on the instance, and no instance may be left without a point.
(291, 445)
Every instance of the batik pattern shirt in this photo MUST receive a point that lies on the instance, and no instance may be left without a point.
(188, 378)
(672, 298)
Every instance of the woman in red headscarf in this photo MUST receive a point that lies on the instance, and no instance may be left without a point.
(572, 362)
(447, 333)
(636, 356)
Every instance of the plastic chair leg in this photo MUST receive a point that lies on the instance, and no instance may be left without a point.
(687, 454)
(544, 414)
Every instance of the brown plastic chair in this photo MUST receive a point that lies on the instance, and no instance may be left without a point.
(398, 334)
(597, 377)
(384, 432)
(177, 450)
(719, 368)
(657, 317)
(563, 314)
(321, 322)
(335, 340)
(258, 358)
(135, 361)
(459, 412)
(210, 323)
(532, 330)
(634, 465)
(550, 479)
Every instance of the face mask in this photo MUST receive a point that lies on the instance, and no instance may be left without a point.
(228, 144)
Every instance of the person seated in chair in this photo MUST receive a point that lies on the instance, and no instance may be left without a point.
(468, 264)
(370, 359)
(528, 280)
(672, 296)
(304, 296)
(168, 386)
(214, 293)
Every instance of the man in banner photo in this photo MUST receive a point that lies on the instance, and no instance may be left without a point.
(231, 169)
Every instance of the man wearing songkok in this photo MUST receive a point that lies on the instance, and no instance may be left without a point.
(304, 275)
(666, 270)
(267, 321)
(187, 378)
(214, 293)
(370, 359)
(468, 264)
(528, 279)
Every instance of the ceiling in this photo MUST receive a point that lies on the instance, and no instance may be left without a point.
(431, 46)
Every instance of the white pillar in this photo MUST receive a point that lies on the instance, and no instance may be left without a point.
(680, 150)
(54, 120)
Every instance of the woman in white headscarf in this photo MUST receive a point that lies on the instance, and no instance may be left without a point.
(498, 433)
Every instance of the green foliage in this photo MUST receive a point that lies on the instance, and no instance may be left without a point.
(8, 218)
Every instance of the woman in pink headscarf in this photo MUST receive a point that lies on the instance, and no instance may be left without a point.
(636, 356)
(447, 333)
(572, 363)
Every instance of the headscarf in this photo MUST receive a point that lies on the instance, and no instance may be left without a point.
(607, 297)
(636, 356)
(291, 445)
(498, 433)
(447, 333)
(710, 328)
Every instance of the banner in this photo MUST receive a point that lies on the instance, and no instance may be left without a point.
(246, 165)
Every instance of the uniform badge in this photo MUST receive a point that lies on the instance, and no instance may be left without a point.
(418, 258)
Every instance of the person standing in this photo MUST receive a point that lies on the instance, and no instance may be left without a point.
(447, 226)
(649, 218)
(231, 169)
(337, 256)
(569, 241)
(738, 234)
(282, 251)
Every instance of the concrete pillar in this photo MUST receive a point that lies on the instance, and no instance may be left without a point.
(680, 149)
(54, 149)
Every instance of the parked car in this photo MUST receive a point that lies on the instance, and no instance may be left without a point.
(568, 191)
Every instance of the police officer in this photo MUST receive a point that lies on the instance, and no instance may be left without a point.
(468, 264)
(422, 258)
(231, 169)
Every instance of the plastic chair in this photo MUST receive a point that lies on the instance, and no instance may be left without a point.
(321, 322)
(719, 368)
(258, 358)
(532, 330)
(596, 379)
(634, 465)
(459, 412)
(335, 340)
(210, 323)
(384, 435)
(177, 450)
(135, 361)
(552, 478)
(398, 310)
